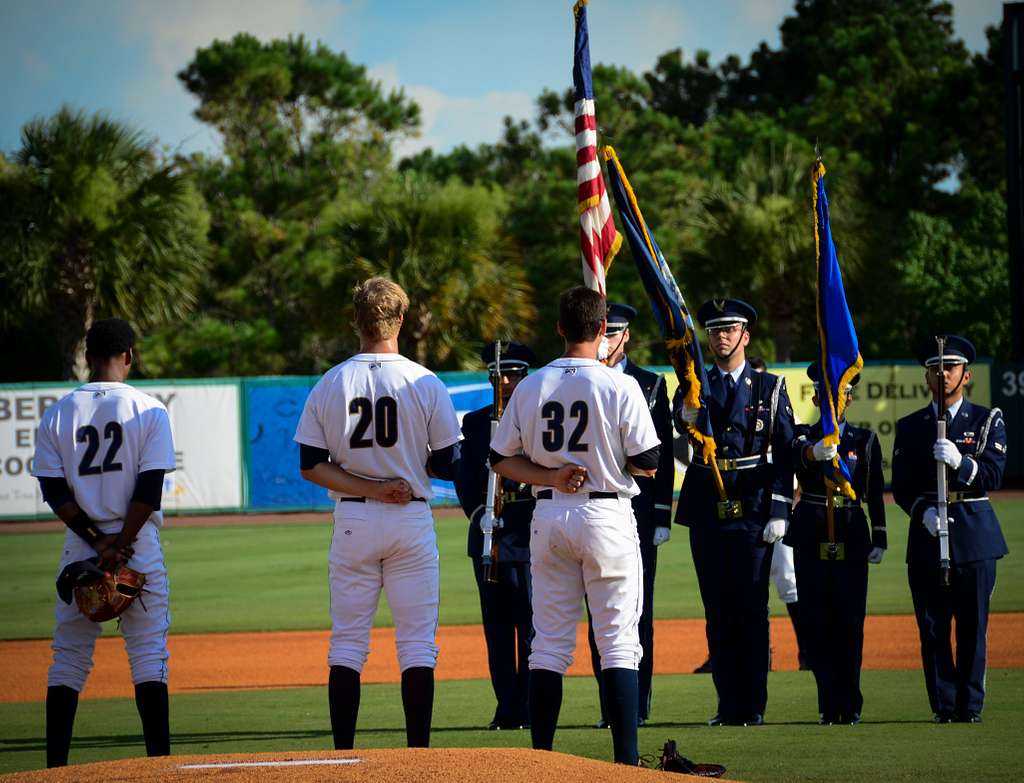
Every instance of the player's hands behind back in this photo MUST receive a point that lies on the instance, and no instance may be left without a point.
(569, 478)
(111, 554)
(393, 491)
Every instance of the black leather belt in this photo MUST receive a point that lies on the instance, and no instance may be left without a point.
(547, 494)
(838, 501)
(959, 497)
(363, 500)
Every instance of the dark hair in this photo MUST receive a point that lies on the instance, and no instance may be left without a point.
(580, 312)
(757, 363)
(109, 337)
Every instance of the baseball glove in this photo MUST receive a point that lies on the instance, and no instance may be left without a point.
(100, 595)
(671, 761)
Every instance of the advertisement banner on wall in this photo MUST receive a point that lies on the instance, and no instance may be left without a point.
(204, 423)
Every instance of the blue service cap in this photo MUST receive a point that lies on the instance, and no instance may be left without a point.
(814, 373)
(619, 316)
(514, 356)
(957, 350)
(722, 312)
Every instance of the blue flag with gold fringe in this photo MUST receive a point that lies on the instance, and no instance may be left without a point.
(667, 303)
(838, 349)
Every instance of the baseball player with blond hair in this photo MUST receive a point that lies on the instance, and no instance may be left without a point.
(374, 429)
(576, 430)
(101, 455)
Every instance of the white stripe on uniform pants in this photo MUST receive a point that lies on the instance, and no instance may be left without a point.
(586, 545)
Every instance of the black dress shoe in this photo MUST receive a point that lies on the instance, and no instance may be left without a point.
(601, 724)
(757, 719)
(499, 725)
(944, 717)
(827, 720)
(704, 668)
(849, 719)
(718, 720)
(969, 717)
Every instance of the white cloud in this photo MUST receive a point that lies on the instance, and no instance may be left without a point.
(447, 121)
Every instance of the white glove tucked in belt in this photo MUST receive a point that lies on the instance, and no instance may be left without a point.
(875, 555)
(661, 535)
(946, 451)
(774, 530)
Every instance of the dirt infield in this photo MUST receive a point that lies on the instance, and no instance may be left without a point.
(444, 765)
(292, 659)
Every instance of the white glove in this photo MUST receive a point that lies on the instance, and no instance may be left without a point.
(602, 349)
(661, 535)
(931, 520)
(875, 555)
(825, 452)
(946, 451)
(689, 415)
(774, 530)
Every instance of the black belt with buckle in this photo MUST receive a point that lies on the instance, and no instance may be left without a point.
(838, 501)
(547, 494)
(959, 497)
(363, 500)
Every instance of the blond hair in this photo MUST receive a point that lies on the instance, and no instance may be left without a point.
(379, 305)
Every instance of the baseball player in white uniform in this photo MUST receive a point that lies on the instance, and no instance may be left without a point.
(373, 431)
(101, 455)
(575, 430)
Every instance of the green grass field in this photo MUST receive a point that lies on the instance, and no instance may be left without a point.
(252, 578)
(267, 578)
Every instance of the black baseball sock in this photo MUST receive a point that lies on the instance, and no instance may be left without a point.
(61, 704)
(343, 699)
(545, 704)
(418, 703)
(154, 710)
(622, 700)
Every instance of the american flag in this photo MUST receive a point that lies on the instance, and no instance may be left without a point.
(599, 241)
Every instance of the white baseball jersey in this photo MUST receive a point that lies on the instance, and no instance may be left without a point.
(377, 414)
(579, 411)
(99, 438)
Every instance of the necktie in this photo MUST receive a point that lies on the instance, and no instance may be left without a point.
(730, 391)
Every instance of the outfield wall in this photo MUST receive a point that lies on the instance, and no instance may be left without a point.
(235, 452)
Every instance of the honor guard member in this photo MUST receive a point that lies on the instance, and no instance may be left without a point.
(832, 568)
(652, 507)
(974, 453)
(732, 538)
(505, 601)
(373, 431)
(101, 455)
(577, 431)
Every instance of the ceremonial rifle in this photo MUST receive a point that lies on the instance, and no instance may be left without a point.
(491, 520)
(942, 486)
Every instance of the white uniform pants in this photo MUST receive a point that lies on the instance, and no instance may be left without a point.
(385, 545)
(144, 629)
(783, 573)
(587, 546)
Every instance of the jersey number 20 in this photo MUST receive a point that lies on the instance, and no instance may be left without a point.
(90, 436)
(554, 436)
(383, 415)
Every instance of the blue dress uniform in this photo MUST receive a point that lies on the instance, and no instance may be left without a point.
(652, 508)
(956, 690)
(833, 591)
(505, 605)
(729, 554)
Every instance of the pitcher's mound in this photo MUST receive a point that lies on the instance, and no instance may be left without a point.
(419, 765)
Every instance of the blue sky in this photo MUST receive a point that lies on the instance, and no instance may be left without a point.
(466, 62)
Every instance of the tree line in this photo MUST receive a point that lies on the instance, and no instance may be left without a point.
(240, 262)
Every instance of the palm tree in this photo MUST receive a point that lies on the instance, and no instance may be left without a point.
(94, 225)
(444, 245)
(758, 244)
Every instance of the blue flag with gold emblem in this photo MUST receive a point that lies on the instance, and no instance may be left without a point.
(667, 303)
(839, 351)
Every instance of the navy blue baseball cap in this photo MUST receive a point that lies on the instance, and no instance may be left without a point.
(814, 373)
(619, 316)
(514, 356)
(723, 312)
(958, 350)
